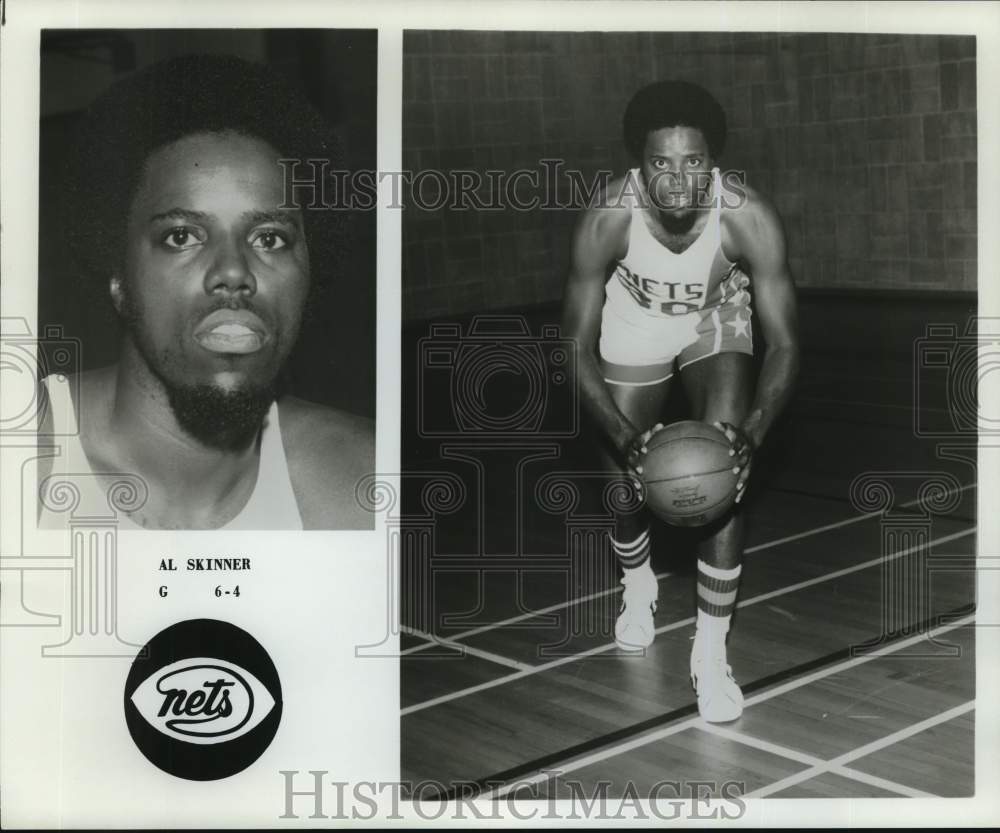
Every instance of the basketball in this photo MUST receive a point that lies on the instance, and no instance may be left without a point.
(688, 473)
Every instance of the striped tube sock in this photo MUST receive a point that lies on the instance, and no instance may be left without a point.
(717, 589)
(634, 553)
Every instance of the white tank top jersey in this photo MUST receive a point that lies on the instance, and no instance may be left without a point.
(272, 504)
(654, 281)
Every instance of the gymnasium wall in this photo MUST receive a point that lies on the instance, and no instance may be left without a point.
(866, 143)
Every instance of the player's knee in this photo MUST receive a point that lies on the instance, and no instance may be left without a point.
(733, 413)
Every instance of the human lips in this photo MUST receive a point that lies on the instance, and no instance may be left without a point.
(231, 331)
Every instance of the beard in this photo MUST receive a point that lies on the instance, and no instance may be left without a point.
(227, 419)
(679, 223)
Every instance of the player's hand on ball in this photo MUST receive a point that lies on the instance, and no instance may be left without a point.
(742, 450)
(633, 455)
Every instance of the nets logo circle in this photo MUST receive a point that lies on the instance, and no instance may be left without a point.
(203, 700)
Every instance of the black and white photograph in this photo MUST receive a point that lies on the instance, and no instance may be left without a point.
(538, 413)
(689, 414)
(220, 317)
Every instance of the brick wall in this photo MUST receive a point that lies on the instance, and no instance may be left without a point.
(866, 143)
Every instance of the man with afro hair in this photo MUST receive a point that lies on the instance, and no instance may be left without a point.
(660, 283)
(177, 212)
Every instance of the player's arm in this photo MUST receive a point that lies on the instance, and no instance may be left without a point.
(598, 237)
(763, 248)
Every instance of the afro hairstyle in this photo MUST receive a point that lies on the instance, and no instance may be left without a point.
(165, 102)
(673, 104)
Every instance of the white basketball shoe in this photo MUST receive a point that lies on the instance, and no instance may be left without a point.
(720, 699)
(634, 628)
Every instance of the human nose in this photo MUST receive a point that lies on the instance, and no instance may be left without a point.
(230, 271)
(671, 180)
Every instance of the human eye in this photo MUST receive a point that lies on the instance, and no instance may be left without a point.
(694, 161)
(660, 164)
(270, 240)
(181, 237)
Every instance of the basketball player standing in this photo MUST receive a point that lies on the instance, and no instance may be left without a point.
(659, 280)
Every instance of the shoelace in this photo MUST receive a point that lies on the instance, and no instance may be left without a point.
(630, 583)
(717, 662)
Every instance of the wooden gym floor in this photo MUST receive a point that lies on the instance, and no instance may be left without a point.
(854, 640)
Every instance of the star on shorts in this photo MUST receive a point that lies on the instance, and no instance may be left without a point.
(740, 325)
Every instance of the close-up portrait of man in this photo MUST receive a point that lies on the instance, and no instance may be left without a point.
(224, 321)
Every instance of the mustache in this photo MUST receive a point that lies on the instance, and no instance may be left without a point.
(232, 305)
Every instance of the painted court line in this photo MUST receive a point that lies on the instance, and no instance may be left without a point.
(812, 760)
(617, 589)
(846, 522)
(532, 614)
(468, 649)
(600, 649)
(676, 728)
(862, 751)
